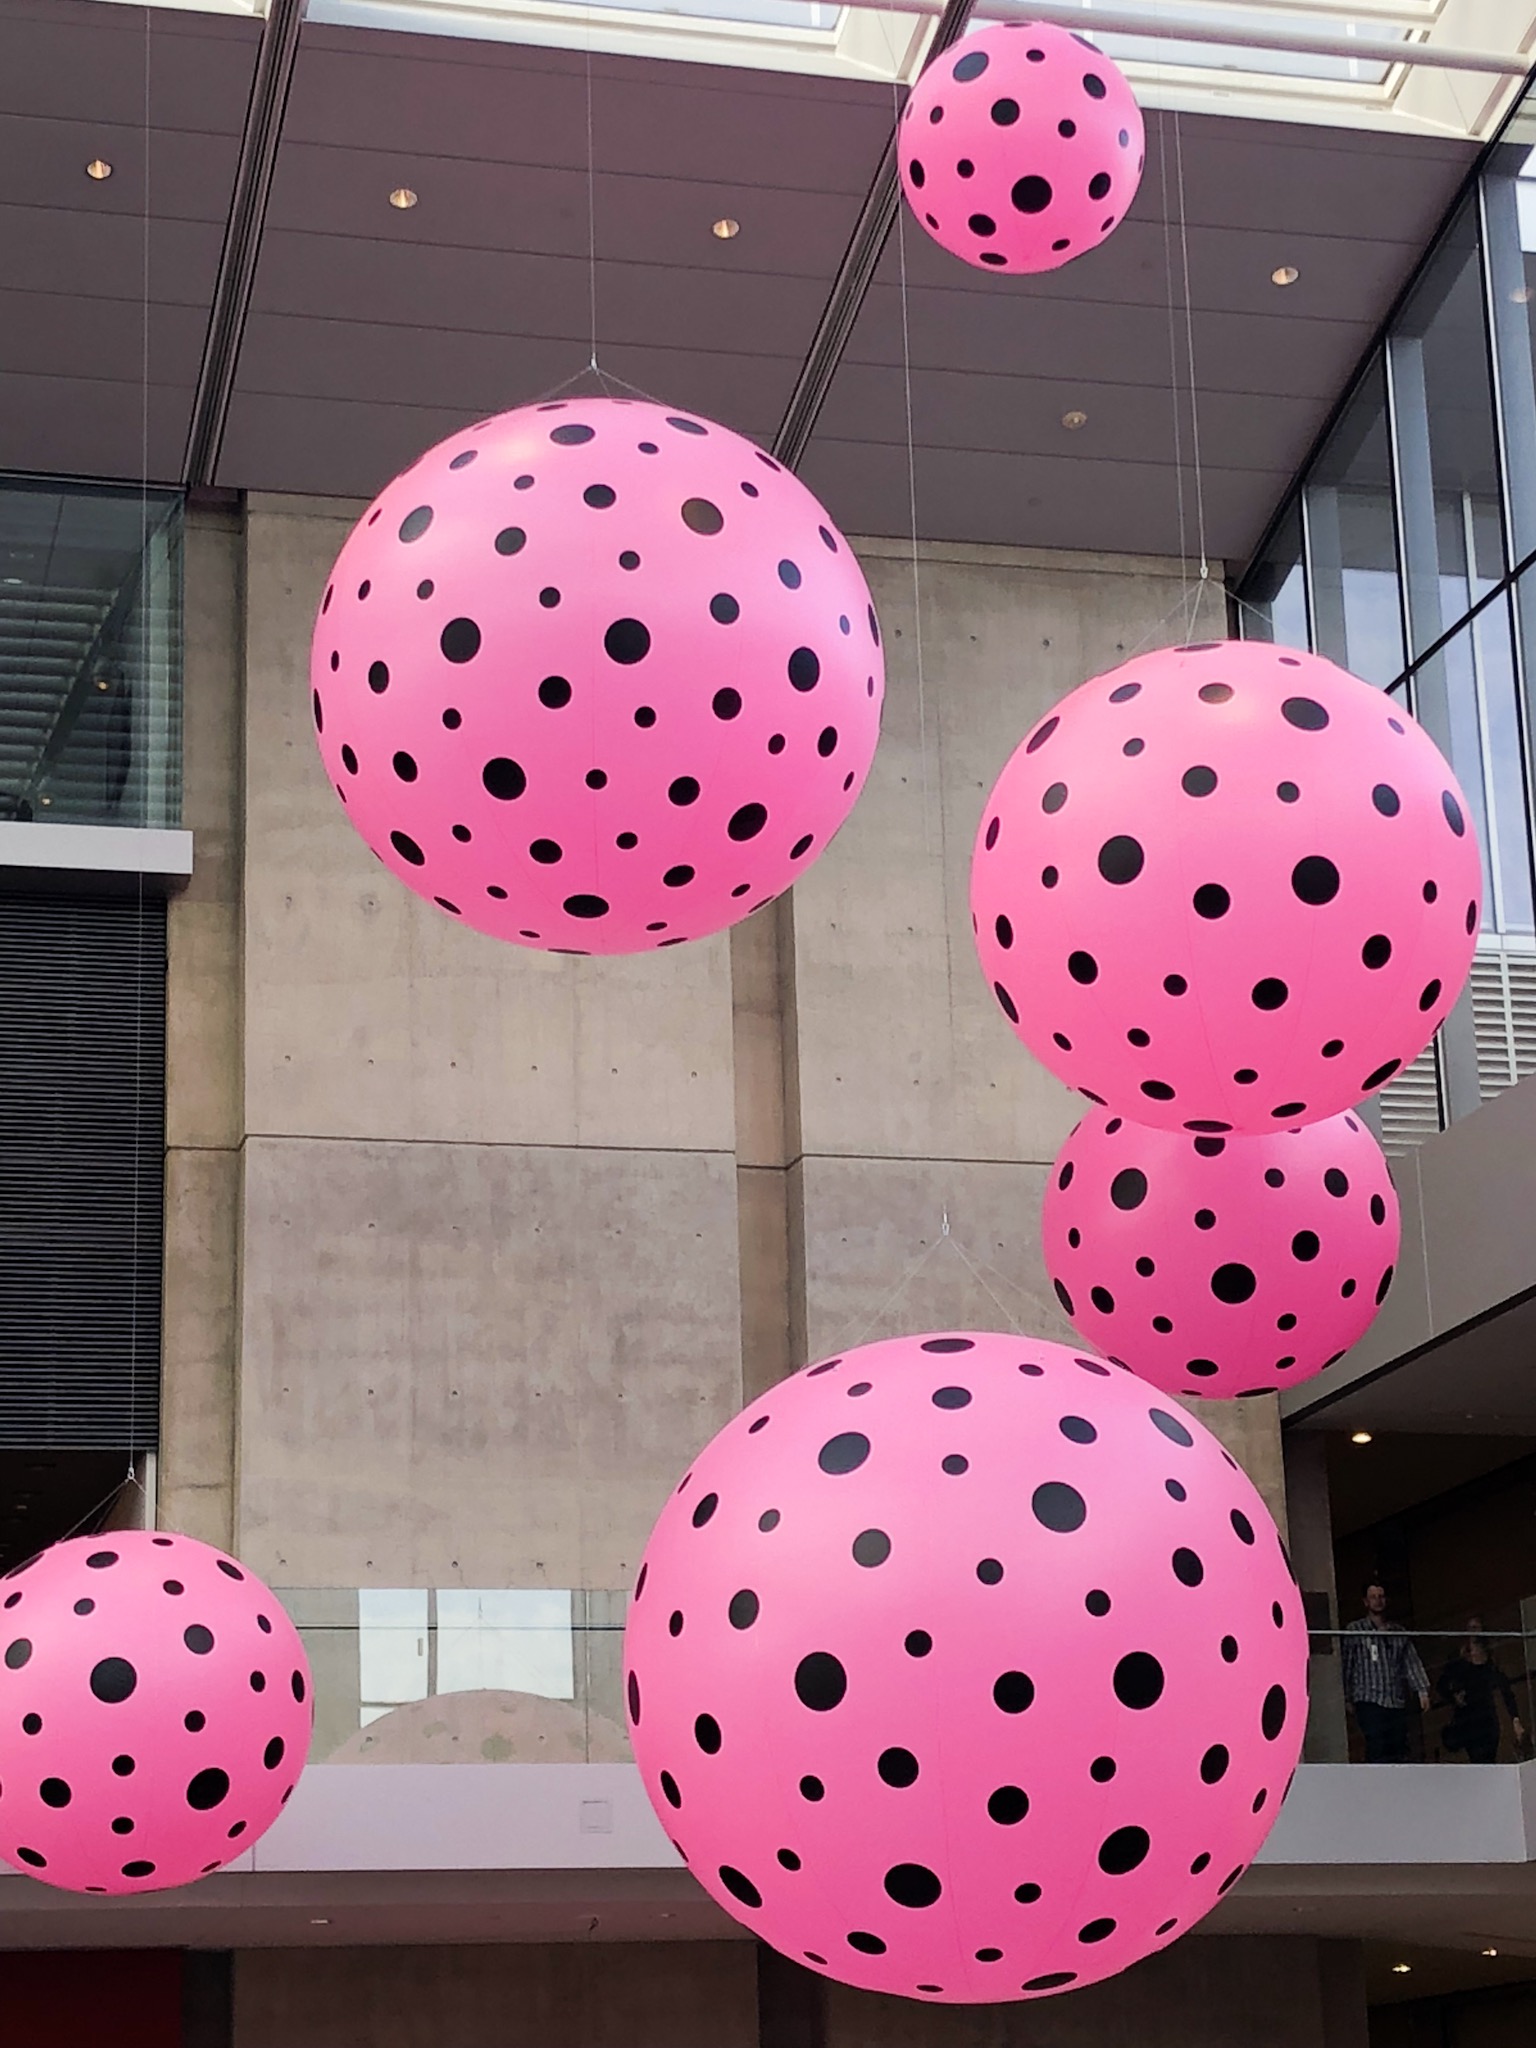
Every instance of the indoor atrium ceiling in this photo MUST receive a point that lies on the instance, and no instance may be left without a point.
(369, 331)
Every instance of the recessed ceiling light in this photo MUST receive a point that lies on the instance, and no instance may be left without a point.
(319, 1923)
(98, 168)
(403, 198)
(1286, 274)
(1073, 420)
(1490, 1951)
(726, 229)
(1361, 1436)
(1521, 295)
(1401, 1969)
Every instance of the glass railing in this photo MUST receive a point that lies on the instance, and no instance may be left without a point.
(1421, 1696)
(90, 655)
(464, 1675)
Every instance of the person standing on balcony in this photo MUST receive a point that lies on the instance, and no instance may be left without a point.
(1382, 1673)
(1472, 1685)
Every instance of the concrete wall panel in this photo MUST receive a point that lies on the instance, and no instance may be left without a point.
(477, 1365)
(902, 1050)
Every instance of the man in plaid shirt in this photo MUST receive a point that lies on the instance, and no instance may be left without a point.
(1382, 1670)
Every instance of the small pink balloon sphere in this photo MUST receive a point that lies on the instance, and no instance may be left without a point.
(1226, 888)
(154, 1712)
(1221, 1265)
(1021, 147)
(964, 1667)
(597, 677)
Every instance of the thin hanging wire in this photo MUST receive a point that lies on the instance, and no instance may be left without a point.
(1173, 365)
(1194, 382)
(146, 601)
(591, 206)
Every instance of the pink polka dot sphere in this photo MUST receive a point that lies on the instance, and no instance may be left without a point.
(1021, 148)
(964, 1667)
(597, 677)
(1226, 888)
(154, 1712)
(1221, 1265)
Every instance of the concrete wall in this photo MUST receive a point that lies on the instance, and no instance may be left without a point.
(471, 1247)
(566, 1995)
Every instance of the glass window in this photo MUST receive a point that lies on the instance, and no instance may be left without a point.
(1352, 541)
(505, 1640)
(90, 655)
(392, 1649)
(1272, 603)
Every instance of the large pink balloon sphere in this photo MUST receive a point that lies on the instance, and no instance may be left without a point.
(154, 1712)
(966, 1668)
(597, 677)
(1221, 1265)
(1021, 147)
(1226, 888)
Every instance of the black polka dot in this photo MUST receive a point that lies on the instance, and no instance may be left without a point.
(1121, 859)
(1305, 1245)
(1212, 900)
(820, 1681)
(1270, 994)
(1377, 950)
(627, 641)
(1452, 810)
(585, 906)
(897, 1767)
(1014, 1692)
(747, 822)
(990, 1572)
(1304, 713)
(460, 640)
(1241, 1526)
(1187, 1568)
(804, 669)
(272, 1755)
(1097, 1603)
(866, 1944)
(677, 878)
(918, 1643)
(1234, 1283)
(1272, 1716)
(503, 779)
(743, 1610)
(682, 791)
(415, 524)
(1083, 968)
(1078, 1430)
(913, 1884)
(1059, 1507)
(845, 1453)
(812, 1789)
(113, 1680)
(970, 66)
(871, 1547)
(740, 1887)
(1031, 195)
(1138, 1680)
(1128, 1189)
(1315, 879)
(706, 1733)
(1008, 1805)
(208, 1789)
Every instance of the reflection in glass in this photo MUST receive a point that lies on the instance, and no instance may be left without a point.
(515, 1640)
(392, 1637)
(1352, 541)
(1272, 603)
(90, 655)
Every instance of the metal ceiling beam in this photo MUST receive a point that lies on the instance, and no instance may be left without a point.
(1237, 35)
(855, 273)
(275, 59)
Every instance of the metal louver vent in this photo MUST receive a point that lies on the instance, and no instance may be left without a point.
(1410, 1106)
(1504, 1017)
(82, 1162)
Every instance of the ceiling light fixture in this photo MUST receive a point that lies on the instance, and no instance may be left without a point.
(1361, 1436)
(1490, 1951)
(1521, 295)
(1401, 1969)
(1073, 420)
(98, 168)
(1286, 274)
(319, 1923)
(726, 229)
(402, 198)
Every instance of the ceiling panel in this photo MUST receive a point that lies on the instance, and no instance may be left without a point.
(73, 368)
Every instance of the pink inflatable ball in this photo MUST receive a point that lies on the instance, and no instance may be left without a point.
(1021, 148)
(1221, 1265)
(154, 1712)
(965, 1667)
(597, 677)
(1226, 888)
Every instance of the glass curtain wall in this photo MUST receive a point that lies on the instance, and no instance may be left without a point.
(1407, 552)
